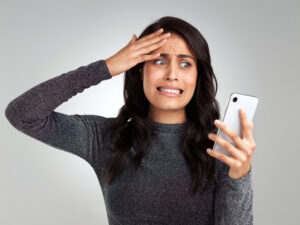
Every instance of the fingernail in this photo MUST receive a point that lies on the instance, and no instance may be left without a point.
(217, 121)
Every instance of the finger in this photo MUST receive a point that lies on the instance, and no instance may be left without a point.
(149, 49)
(246, 128)
(251, 128)
(236, 153)
(252, 125)
(149, 36)
(143, 58)
(231, 134)
(152, 41)
(132, 40)
(224, 158)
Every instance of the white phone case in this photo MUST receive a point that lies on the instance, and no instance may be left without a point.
(232, 118)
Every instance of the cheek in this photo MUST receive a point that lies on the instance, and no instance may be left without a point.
(150, 76)
(149, 83)
(190, 85)
(150, 70)
(191, 81)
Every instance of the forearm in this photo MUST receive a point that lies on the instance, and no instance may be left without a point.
(39, 101)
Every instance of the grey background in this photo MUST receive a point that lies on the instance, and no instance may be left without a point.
(254, 47)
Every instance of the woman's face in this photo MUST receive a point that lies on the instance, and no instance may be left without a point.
(171, 69)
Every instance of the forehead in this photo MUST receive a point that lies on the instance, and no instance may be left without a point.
(175, 45)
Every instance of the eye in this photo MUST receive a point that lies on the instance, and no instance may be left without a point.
(157, 60)
(189, 65)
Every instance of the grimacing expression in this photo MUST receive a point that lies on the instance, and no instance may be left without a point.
(170, 69)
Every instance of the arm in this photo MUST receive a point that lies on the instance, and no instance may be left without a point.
(233, 198)
(33, 113)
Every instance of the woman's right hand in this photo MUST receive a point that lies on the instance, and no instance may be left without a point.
(136, 51)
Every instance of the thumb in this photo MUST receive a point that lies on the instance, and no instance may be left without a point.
(133, 39)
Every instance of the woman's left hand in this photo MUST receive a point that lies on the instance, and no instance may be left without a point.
(242, 153)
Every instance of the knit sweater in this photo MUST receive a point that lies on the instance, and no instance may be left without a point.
(157, 193)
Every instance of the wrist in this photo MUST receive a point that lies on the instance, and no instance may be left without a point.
(109, 66)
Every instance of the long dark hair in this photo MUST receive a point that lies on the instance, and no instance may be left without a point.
(131, 128)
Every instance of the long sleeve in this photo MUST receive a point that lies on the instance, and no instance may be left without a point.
(233, 198)
(33, 111)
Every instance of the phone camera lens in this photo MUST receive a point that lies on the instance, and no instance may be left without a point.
(234, 99)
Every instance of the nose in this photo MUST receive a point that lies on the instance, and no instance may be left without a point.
(171, 73)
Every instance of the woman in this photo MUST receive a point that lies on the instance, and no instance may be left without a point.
(151, 160)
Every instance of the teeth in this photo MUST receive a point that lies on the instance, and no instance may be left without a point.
(170, 90)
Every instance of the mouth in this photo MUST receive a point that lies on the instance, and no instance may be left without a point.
(170, 92)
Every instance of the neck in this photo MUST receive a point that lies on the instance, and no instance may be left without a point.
(167, 116)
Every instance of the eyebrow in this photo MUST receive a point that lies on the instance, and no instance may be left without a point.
(165, 55)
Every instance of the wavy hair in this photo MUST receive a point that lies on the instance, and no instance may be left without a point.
(132, 129)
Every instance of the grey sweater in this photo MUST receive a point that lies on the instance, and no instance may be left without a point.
(158, 193)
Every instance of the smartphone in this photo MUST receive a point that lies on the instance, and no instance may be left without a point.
(232, 117)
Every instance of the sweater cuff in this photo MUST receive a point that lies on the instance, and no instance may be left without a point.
(242, 180)
(100, 71)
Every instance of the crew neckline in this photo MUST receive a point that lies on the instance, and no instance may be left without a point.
(175, 128)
